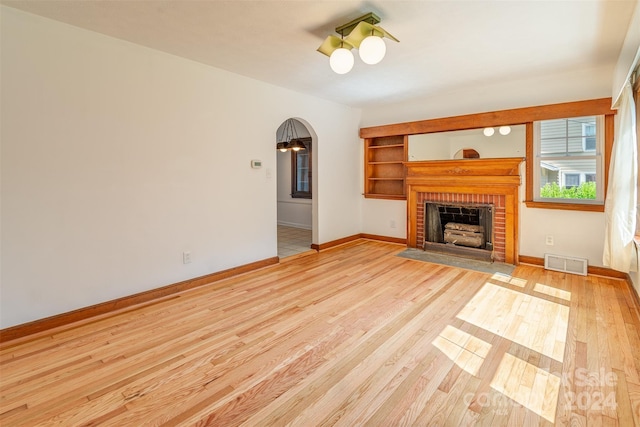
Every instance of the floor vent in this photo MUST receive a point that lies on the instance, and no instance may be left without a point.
(565, 264)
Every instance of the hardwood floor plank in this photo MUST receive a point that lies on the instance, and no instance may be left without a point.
(634, 399)
(349, 336)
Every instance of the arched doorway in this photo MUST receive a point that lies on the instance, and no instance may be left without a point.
(295, 187)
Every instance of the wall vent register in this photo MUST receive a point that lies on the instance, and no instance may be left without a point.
(566, 264)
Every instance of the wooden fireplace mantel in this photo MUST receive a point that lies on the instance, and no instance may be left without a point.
(467, 176)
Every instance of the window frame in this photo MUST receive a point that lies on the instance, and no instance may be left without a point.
(608, 134)
(596, 155)
(295, 192)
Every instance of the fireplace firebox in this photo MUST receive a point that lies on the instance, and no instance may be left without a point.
(459, 229)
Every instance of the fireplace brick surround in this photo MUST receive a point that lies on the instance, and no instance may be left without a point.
(499, 215)
(474, 181)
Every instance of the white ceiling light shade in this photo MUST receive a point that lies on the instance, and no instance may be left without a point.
(361, 34)
(503, 130)
(341, 60)
(372, 50)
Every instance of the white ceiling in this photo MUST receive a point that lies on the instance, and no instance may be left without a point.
(443, 44)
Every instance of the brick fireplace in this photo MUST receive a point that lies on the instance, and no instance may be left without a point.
(460, 201)
(467, 182)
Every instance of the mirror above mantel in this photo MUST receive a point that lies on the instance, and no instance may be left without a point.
(462, 144)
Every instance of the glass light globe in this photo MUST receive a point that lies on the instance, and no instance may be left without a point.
(372, 50)
(504, 130)
(488, 131)
(341, 60)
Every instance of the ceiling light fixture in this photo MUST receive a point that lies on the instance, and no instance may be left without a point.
(372, 50)
(362, 34)
(341, 60)
(503, 130)
(288, 139)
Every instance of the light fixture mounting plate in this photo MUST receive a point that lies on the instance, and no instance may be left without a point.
(370, 18)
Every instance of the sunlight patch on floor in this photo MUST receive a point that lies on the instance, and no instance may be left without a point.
(530, 386)
(533, 322)
(552, 292)
(465, 350)
(505, 278)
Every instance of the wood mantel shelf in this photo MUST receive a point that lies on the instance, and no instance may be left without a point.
(456, 169)
(466, 176)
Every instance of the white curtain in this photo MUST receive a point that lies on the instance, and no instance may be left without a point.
(620, 205)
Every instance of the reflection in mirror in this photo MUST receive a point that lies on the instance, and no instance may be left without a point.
(466, 153)
(454, 144)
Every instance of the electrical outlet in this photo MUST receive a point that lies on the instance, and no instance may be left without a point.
(186, 257)
(392, 223)
(549, 240)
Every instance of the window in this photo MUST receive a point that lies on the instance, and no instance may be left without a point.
(571, 180)
(568, 165)
(589, 137)
(301, 171)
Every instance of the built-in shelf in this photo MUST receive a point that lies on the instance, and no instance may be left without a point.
(373, 147)
(384, 167)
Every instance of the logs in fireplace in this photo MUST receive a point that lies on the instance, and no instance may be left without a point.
(464, 234)
(459, 229)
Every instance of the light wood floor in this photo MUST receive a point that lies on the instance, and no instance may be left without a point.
(350, 336)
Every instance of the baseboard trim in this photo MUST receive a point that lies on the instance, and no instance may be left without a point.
(384, 238)
(594, 270)
(531, 260)
(337, 242)
(64, 319)
(634, 292)
(348, 239)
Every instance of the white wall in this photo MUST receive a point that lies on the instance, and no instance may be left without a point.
(117, 158)
(575, 233)
(389, 218)
(629, 56)
(504, 95)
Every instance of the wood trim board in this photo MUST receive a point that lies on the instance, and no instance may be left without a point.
(491, 119)
(63, 319)
(337, 242)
